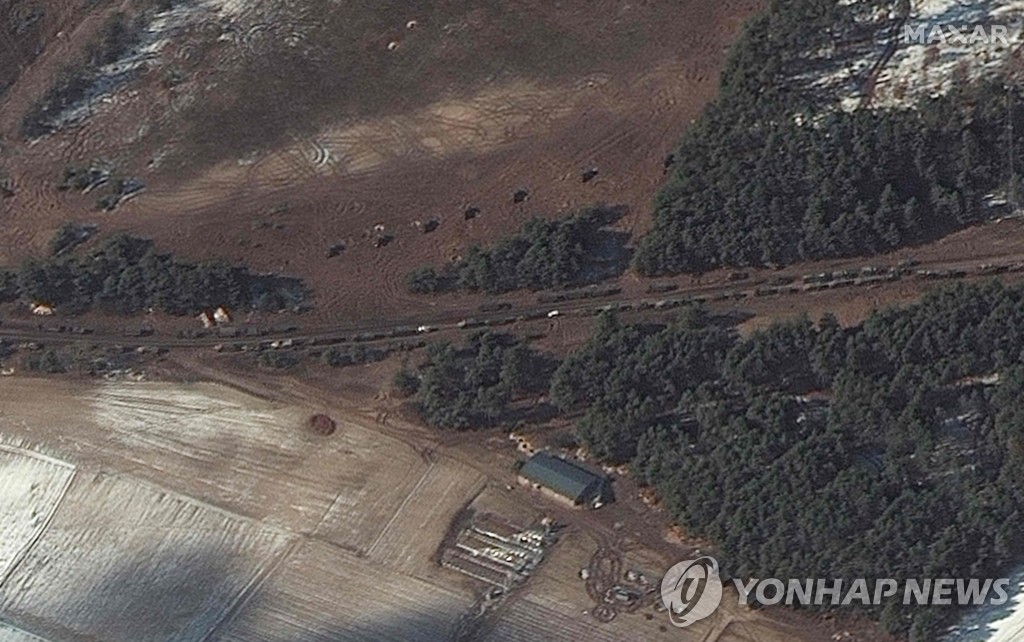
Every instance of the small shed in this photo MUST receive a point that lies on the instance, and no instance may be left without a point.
(566, 481)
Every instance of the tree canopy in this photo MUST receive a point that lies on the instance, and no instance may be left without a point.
(543, 255)
(810, 450)
(126, 274)
(773, 173)
(471, 386)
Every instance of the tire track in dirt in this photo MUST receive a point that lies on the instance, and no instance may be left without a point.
(472, 144)
(266, 570)
(22, 554)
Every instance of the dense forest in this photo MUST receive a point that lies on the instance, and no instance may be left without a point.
(126, 275)
(894, 449)
(544, 254)
(773, 174)
(809, 450)
(471, 386)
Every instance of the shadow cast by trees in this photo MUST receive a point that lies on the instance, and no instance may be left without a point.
(544, 254)
(126, 274)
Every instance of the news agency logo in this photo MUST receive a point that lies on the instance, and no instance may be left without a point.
(691, 590)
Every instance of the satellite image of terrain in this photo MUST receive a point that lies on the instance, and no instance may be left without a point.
(511, 320)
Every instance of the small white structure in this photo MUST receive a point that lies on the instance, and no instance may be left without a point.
(222, 315)
(392, 45)
(206, 319)
(553, 314)
(42, 309)
(411, 24)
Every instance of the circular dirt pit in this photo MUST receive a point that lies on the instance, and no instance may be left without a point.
(322, 425)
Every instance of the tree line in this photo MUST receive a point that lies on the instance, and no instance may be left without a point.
(811, 450)
(127, 274)
(542, 255)
(893, 449)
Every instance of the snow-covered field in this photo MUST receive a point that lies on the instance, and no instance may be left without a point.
(9, 633)
(119, 547)
(197, 513)
(995, 623)
(31, 487)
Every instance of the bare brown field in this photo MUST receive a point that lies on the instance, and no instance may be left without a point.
(279, 142)
(478, 101)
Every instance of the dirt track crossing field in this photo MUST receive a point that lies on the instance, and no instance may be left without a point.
(118, 546)
(322, 594)
(127, 525)
(302, 119)
(149, 535)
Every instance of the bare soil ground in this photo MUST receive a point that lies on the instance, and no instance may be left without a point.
(286, 131)
(267, 133)
(282, 143)
(143, 510)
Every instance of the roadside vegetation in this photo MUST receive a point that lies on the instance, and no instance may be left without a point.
(543, 255)
(126, 275)
(474, 385)
(81, 360)
(772, 174)
(810, 450)
(892, 449)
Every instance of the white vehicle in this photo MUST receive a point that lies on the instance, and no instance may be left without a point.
(553, 314)
(423, 329)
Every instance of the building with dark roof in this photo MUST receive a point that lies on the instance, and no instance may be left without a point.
(564, 480)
